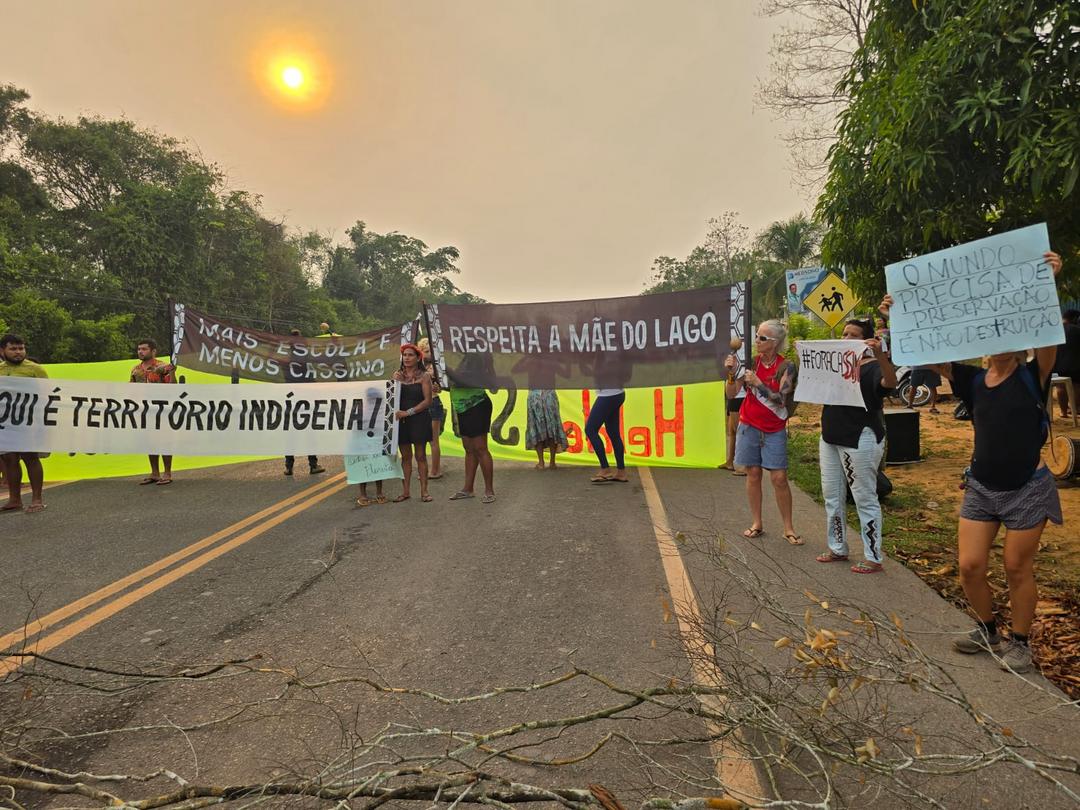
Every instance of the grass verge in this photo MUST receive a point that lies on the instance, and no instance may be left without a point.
(922, 536)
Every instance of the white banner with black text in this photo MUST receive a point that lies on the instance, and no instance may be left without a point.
(83, 416)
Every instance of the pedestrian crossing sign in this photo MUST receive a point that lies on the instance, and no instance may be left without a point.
(832, 300)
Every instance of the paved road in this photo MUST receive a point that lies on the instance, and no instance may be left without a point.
(329, 600)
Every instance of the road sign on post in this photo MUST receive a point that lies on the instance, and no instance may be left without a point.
(832, 300)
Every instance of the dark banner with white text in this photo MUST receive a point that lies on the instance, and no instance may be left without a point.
(206, 343)
(641, 341)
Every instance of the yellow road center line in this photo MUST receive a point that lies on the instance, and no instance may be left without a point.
(69, 631)
(735, 771)
(44, 623)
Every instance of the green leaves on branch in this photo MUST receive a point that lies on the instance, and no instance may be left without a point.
(58, 336)
(964, 121)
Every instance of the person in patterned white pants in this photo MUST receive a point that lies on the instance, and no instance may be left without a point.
(850, 450)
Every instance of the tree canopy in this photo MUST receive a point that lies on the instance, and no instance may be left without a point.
(964, 121)
(728, 255)
(102, 221)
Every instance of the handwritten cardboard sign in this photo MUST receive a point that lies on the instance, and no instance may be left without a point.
(362, 469)
(985, 297)
(829, 372)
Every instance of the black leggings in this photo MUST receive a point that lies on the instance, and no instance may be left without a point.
(605, 413)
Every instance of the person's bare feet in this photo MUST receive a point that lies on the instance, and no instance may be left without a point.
(12, 506)
(35, 506)
(540, 465)
(621, 477)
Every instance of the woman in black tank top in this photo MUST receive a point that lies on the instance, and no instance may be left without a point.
(1008, 485)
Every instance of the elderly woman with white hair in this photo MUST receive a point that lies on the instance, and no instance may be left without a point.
(761, 438)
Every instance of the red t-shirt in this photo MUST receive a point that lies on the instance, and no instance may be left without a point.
(768, 417)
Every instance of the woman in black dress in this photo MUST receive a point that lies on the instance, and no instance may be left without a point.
(414, 428)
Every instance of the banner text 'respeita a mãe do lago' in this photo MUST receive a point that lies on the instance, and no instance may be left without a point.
(677, 426)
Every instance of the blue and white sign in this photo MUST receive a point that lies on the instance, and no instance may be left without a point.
(800, 282)
(985, 297)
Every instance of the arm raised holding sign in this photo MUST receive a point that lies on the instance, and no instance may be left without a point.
(1046, 355)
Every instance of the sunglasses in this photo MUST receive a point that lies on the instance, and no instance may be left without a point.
(763, 337)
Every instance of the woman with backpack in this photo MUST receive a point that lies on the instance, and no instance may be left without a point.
(1008, 484)
(850, 450)
(761, 438)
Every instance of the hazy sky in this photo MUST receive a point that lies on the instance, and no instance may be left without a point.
(562, 145)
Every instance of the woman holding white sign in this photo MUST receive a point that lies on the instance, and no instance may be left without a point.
(849, 452)
(1008, 484)
(761, 438)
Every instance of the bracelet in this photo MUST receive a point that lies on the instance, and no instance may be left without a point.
(411, 412)
(731, 378)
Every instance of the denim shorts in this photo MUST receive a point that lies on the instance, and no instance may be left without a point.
(755, 448)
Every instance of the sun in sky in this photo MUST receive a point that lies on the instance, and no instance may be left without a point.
(292, 77)
(292, 71)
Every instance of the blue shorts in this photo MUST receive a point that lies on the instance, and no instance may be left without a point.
(755, 448)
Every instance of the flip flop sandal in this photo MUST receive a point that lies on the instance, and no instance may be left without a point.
(35, 507)
(434, 477)
(602, 479)
(461, 496)
(488, 499)
(380, 499)
(867, 568)
(401, 498)
(620, 480)
(829, 557)
(146, 481)
(753, 531)
(363, 502)
(426, 498)
(164, 482)
(794, 539)
(17, 508)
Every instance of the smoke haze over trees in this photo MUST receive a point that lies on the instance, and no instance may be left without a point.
(101, 221)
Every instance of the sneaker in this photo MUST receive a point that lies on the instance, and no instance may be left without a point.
(976, 642)
(317, 470)
(1017, 657)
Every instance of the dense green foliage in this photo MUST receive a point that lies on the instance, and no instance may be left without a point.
(102, 221)
(964, 121)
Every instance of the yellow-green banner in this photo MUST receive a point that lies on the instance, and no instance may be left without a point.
(673, 426)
